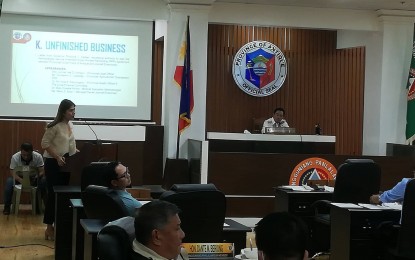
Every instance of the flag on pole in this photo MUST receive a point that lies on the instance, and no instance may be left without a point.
(184, 79)
(410, 111)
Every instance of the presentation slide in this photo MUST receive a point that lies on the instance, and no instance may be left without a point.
(103, 65)
(91, 69)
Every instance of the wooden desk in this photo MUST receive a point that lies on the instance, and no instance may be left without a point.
(268, 143)
(352, 230)
(78, 213)
(63, 220)
(91, 229)
(297, 202)
(233, 233)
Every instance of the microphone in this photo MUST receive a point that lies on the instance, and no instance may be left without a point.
(317, 129)
(97, 140)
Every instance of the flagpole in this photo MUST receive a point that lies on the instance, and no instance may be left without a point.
(183, 77)
(178, 143)
(410, 91)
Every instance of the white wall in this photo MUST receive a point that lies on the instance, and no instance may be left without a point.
(143, 10)
(300, 17)
(198, 33)
(372, 41)
(397, 47)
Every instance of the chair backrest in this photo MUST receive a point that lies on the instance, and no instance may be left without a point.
(28, 175)
(94, 174)
(175, 171)
(406, 238)
(115, 240)
(257, 124)
(103, 203)
(202, 211)
(356, 181)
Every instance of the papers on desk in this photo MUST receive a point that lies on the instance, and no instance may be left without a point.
(392, 205)
(328, 188)
(371, 206)
(347, 205)
(297, 188)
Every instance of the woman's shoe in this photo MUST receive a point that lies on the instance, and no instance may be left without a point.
(49, 234)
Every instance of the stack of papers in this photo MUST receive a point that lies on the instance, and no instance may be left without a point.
(328, 188)
(298, 188)
(371, 206)
(393, 205)
(347, 205)
(384, 206)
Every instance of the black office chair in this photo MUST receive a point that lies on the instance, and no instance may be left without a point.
(202, 211)
(405, 245)
(114, 241)
(94, 174)
(356, 181)
(103, 203)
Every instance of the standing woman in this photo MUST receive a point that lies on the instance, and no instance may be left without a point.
(59, 143)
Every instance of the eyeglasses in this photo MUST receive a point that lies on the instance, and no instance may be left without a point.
(125, 174)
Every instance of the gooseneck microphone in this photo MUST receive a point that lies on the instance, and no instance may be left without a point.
(97, 140)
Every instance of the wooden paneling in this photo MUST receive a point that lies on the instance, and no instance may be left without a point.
(157, 81)
(251, 176)
(145, 159)
(257, 174)
(249, 206)
(323, 84)
(12, 135)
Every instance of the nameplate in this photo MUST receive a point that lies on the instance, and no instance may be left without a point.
(209, 250)
(280, 130)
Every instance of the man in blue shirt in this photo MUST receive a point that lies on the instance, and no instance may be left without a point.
(119, 179)
(395, 194)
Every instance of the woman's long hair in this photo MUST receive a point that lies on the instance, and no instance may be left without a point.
(63, 106)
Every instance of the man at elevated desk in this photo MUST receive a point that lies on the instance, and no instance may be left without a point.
(277, 120)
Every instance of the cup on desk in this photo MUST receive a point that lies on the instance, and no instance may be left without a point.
(251, 253)
(250, 239)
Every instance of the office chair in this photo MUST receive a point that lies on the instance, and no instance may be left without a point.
(94, 174)
(103, 203)
(175, 171)
(356, 181)
(114, 241)
(202, 211)
(405, 245)
(257, 124)
(28, 174)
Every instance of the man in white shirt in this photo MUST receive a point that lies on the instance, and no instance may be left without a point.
(277, 120)
(25, 157)
(158, 232)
